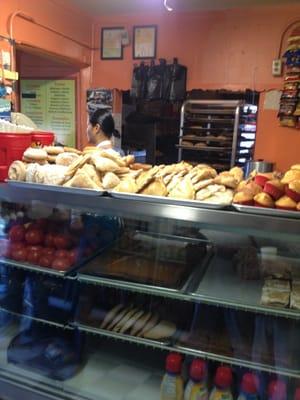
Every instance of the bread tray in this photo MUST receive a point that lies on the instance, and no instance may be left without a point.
(167, 200)
(54, 188)
(272, 212)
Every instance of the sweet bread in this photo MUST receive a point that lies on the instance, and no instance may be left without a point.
(81, 180)
(53, 150)
(17, 171)
(203, 184)
(66, 158)
(184, 190)
(31, 172)
(226, 179)
(77, 164)
(140, 323)
(138, 166)
(127, 186)
(36, 155)
(291, 175)
(110, 180)
(264, 200)
(103, 164)
(149, 325)
(209, 191)
(110, 315)
(72, 150)
(155, 188)
(129, 160)
(51, 159)
(114, 156)
(52, 174)
(163, 330)
(91, 171)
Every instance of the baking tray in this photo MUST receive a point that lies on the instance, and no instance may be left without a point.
(207, 148)
(273, 212)
(54, 188)
(93, 274)
(167, 200)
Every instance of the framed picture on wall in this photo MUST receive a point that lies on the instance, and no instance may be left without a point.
(111, 43)
(144, 42)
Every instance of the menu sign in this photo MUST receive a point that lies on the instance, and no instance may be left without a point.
(51, 106)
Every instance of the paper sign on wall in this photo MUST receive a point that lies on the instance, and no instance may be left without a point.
(51, 106)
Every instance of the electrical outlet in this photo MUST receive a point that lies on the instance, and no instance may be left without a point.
(277, 67)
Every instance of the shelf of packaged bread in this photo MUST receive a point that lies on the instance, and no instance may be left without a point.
(35, 319)
(174, 345)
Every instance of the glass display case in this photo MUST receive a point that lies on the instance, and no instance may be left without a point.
(96, 291)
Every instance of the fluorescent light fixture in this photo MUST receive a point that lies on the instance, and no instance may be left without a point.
(168, 8)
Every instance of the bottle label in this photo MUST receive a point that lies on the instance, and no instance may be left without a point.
(199, 392)
(171, 388)
(220, 395)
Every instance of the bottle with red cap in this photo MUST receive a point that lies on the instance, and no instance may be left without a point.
(297, 394)
(223, 382)
(172, 383)
(196, 388)
(249, 387)
(277, 390)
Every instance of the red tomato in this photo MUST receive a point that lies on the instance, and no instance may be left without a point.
(33, 256)
(34, 236)
(19, 254)
(61, 264)
(48, 251)
(46, 261)
(4, 248)
(16, 233)
(49, 240)
(74, 255)
(62, 241)
(61, 254)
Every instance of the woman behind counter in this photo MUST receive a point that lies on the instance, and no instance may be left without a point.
(101, 130)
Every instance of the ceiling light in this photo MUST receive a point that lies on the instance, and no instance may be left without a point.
(168, 8)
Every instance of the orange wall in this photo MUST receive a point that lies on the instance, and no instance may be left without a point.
(230, 49)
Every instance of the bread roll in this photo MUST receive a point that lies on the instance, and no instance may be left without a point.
(35, 154)
(118, 318)
(111, 315)
(17, 171)
(131, 321)
(149, 325)
(163, 330)
(140, 323)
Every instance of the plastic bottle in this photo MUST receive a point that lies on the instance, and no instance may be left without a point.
(249, 387)
(196, 388)
(277, 390)
(172, 383)
(223, 382)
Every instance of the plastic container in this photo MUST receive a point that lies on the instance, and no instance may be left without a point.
(43, 138)
(223, 382)
(172, 383)
(249, 387)
(196, 388)
(277, 390)
(13, 145)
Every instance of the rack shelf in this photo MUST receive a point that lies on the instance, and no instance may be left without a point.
(190, 351)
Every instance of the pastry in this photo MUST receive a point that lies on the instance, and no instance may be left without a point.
(264, 200)
(114, 156)
(140, 323)
(66, 158)
(203, 184)
(276, 293)
(163, 330)
(149, 325)
(237, 173)
(52, 174)
(138, 166)
(31, 172)
(123, 321)
(226, 179)
(200, 145)
(129, 160)
(54, 150)
(17, 171)
(209, 191)
(274, 188)
(286, 203)
(51, 159)
(81, 180)
(110, 315)
(127, 186)
(32, 161)
(187, 143)
(131, 321)
(117, 318)
(176, 179)
(72, 150)
(293, 190)
(295, 167)
(91, 171)
(146, 177)
(298, 206)
(224, 198)
(110, 180)
(261, 179)
(122, 170)
(35, 155)
(103, 164)
(244, 198)
(155, 188)
(295, 295)
(77, 164)
(291, 175)
(183, 190)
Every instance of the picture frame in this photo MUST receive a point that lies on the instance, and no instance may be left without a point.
(111, 43)
(144, 42)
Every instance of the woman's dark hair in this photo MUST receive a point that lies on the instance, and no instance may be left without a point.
(106, 122)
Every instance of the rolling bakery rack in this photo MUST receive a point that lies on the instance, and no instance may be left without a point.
(217, 287)
(213, 132)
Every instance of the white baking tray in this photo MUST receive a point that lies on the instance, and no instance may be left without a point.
(167, 200)
(54, 188)
(273, 212)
